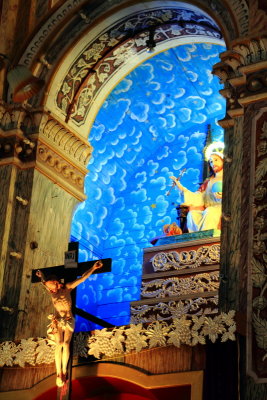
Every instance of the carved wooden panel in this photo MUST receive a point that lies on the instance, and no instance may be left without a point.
(257, 249)
(179, 279)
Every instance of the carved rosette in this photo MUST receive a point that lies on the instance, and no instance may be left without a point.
(32, 139)
(243, 70)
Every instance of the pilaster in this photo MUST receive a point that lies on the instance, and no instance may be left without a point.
(42, 169)
(243, 70)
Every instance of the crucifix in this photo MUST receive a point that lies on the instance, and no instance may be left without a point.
(63, 296)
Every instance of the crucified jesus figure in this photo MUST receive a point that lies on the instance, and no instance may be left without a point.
(62, 324)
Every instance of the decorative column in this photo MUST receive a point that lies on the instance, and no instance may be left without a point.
(244, 285)
(42, 170)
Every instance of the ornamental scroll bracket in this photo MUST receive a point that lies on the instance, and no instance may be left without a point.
(189, 259)
(243, 70)
(175, 286)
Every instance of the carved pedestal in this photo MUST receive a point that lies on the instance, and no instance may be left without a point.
(179, 279)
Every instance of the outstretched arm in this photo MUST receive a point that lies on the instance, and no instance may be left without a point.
(74, 284)
(195, 199)
(42, 277)
(177, 183)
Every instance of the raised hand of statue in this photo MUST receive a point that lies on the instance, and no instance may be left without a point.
(40, 275)
(98, 264)
(176, 181)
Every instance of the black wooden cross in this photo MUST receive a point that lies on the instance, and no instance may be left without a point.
(70, 271)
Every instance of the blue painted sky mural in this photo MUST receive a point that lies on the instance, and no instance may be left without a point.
(152, 125)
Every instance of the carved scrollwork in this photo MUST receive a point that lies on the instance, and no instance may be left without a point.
(59, 167)
(244, 52)
(244, 70)
(174, 286)
(241, 12)
(173, 309)
(110, 50)
(186, 259)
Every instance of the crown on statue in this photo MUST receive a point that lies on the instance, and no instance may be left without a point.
(214, 148)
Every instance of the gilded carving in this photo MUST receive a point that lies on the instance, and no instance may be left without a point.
(60, 137)
(187, 258)
(174, 286)
(47, 160)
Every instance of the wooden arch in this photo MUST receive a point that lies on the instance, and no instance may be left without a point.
(82, 54)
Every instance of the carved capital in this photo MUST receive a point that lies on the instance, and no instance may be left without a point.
(33, 139)
(226, 122)
(60, 171)
(69, 144)
(243, 70)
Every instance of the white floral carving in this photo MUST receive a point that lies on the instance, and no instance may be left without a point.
(157, 333)
(135, 338)
(125, 339)
(28, 351)
(181, 333)
(189, 331)
(7, 353)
